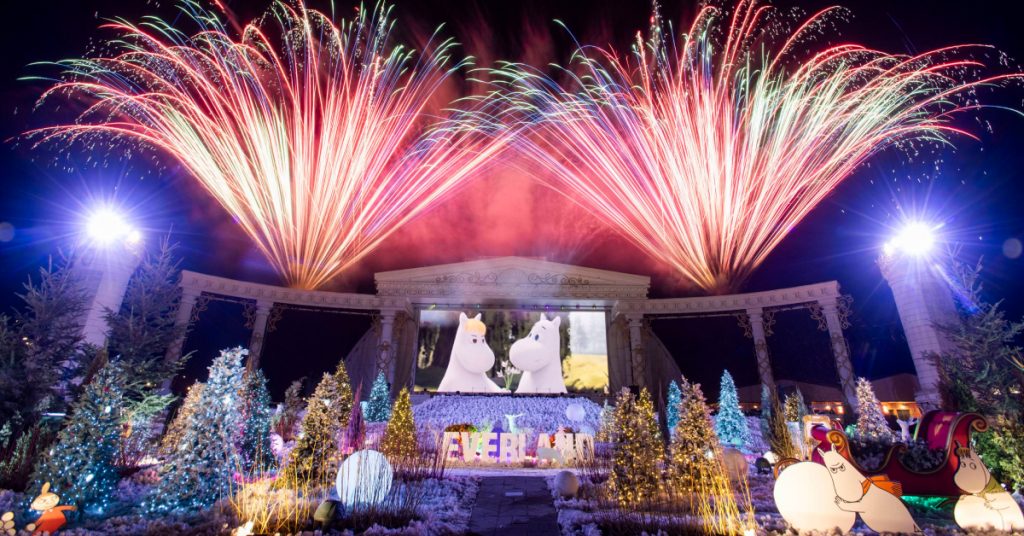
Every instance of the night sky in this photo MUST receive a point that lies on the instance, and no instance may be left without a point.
(975, 189)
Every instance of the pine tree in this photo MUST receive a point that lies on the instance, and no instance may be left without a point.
(51, 331)
(176, 429)
(672, 406)
(80, 466)
(794, 407)
(327, 413)
(200, 470)
(379, 407)
(638, 452)
(606, 424)
(766, 411)
(254, 444)
(399, 442)
(730, 424)
(780, 441)
(286, 418)
(871, 423)
(693, 438)
(144, 327)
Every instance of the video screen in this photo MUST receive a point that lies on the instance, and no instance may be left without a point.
(493, 351)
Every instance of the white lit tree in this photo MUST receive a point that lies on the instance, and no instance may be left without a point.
(871, 423)
(200, 470)
(378, 409)
(730, 424)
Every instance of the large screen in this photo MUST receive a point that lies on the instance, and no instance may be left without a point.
(580, 348)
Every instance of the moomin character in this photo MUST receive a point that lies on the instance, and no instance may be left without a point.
(537, 356)
(985, 504)
(470, 360)
(875, 498)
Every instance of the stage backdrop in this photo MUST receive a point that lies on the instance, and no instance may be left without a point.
(584, 349)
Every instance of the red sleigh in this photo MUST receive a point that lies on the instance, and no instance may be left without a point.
(939, 429)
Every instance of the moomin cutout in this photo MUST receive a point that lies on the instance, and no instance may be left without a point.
(470, 360)
(806, 499)
(537, 356)
(876, 499)
(985, 504)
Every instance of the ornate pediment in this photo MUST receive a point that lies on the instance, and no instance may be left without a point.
(511, 278)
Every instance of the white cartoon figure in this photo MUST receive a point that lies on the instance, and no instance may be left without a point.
(876, 499)
(470, 360)
(806, 499)
(986, 504)
(537, 356)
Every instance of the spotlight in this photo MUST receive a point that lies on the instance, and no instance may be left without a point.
(106, 226)
(916, 239)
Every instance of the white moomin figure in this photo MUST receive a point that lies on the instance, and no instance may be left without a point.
(470, 360)
(805, 497)
(876, 499)
(986, 504)
(538, 357)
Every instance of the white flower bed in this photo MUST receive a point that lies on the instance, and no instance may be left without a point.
(536, 414)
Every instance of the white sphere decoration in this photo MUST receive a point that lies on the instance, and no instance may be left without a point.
(364, 478)
(567, 484)
(575, 412)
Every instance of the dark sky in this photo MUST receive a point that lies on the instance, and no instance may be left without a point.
(976, 189)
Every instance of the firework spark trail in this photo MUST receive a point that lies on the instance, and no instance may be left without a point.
(706, 152)
(315, 136)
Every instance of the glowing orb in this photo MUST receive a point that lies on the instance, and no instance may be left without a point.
(575, 412)
(364, 478)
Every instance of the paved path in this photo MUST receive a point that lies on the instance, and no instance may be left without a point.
(513, 505)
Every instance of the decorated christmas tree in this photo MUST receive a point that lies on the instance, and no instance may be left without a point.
(327, 414)
(287, 416)
(606, 424)
(399, 443)
(871, 423)
(672, 406)
(176, 429)
(730, 424)
(794, 407)
(80, 466)
(639, 451)
(200, 470)
(766, 410)
(693, 437)
(379, 407)
(254, 445)
(779, 439)
(696, 464)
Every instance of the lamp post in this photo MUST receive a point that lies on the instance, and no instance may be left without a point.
(923, 300)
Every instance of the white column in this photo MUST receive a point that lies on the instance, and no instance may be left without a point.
(105, 275)
(923, 300)
(764, 364)
(636, 349)
(385, 361)
(259, 329)
(182, 320)
(840, 350)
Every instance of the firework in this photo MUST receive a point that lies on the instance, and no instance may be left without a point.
(315, 136)
(706, 151)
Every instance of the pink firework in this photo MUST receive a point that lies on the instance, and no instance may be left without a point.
(315, 135)
(705, 152)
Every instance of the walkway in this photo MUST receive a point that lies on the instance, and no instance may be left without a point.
(513, 506)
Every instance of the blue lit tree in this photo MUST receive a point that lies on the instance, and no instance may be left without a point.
(80, 466)
(255, 441)
(730, 424)
(200, 469)
(379, 407)
(675, 396)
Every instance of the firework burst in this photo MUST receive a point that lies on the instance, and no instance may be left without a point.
(316, 136)
(706, 151)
